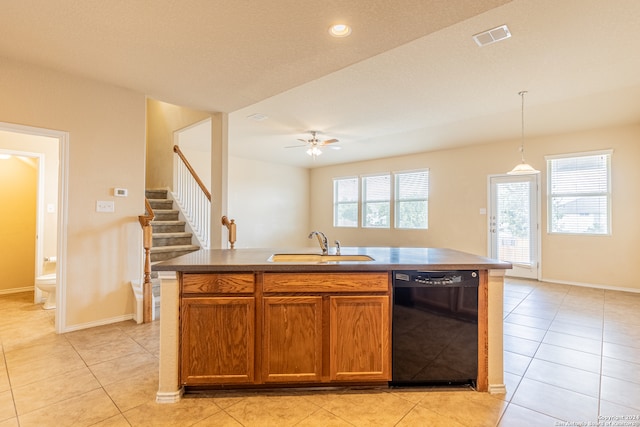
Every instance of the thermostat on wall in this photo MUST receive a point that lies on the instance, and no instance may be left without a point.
(120, 192)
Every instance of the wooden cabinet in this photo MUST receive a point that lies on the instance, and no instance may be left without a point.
(284, 328)
(218, 340)
(347, 318)
(217, 325)
(360, 338)
(292, 339)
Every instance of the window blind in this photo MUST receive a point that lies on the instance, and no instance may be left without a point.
(376, 201)
(345, 202)
(412, 195)
(579, 193)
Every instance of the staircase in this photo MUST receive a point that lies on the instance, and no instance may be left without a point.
(170, 239)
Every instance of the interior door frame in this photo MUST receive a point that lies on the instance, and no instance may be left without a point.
(63, 179)
(537, 232)
(39, 251)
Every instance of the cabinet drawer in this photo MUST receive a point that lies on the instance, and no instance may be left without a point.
(230, 283)
(326, 282)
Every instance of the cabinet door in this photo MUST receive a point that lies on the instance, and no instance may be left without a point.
(360, 338)
(217, 340)
(292, 350)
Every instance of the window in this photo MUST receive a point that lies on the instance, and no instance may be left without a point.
(376, 201)
(367, 201)
(579, 193)
(345, 202)
(411, 195)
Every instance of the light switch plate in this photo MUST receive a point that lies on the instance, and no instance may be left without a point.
(105, 206)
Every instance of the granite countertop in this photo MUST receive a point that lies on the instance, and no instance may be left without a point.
(385, 259)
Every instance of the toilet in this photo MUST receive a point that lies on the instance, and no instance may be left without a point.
(47, 283)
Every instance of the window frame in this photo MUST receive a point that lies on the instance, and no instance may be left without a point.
(551, 195)
(397, 201)
(364, 202)
(336, 203)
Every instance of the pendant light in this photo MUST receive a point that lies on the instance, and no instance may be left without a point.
(522, 168)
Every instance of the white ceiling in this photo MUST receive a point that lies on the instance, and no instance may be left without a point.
(409, 79)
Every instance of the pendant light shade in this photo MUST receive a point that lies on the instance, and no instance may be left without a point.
(523, 168)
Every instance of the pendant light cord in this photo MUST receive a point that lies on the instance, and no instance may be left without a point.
(522, 93)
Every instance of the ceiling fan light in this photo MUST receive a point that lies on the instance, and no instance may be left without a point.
(314, 151)
(340, 30)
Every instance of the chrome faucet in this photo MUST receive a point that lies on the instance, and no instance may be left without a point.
(337, 242)
(322, 240)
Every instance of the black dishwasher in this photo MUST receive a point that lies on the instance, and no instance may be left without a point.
(435, 327)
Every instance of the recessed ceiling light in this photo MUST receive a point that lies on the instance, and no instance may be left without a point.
(493, 35)
(340, 30)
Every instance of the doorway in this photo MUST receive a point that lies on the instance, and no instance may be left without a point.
(48, 150)
(514, 223)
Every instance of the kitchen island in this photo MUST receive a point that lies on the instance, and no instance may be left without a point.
(267, 304)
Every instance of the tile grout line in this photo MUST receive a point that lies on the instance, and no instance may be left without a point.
(6, 370)
(604, 299)
(509, 402)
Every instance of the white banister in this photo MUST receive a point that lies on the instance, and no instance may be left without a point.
(193, 198)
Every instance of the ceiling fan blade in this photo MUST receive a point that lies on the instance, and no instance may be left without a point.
(329, 141)
(295, 146)
(303, 140)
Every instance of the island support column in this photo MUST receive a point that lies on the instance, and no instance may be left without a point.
(169, 391)
(495, 331)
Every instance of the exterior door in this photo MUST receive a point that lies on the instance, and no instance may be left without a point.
(514, 231)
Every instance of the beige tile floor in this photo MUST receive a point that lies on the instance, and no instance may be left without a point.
(572, 356)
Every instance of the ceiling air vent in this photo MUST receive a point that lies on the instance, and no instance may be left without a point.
(492, 36)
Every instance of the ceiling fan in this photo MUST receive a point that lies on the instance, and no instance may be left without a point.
(313, 144)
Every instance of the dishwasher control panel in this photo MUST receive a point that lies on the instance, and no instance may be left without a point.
(417, 278)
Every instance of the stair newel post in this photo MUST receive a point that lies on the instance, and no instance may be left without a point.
(147, 242)
(147, 298)
(231, 226)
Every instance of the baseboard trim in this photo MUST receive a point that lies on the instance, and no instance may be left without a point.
(16, 290)
(590, 285)
(497, 389)
(102, 322)
(169, 397)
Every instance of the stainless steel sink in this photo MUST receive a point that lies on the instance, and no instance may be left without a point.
(317, 258)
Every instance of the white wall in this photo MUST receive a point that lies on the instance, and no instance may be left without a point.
(106, 126)
(270, 204)
(195, 144)
(458, 189)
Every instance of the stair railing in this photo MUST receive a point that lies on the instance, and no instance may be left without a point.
(147, 239)
(193, 197)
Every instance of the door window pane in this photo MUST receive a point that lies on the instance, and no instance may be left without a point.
(513, 222)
